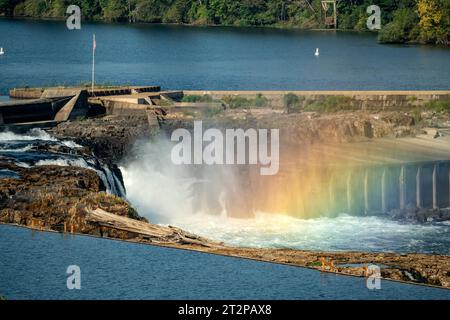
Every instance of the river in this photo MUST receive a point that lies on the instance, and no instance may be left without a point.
(34, 264)
(43, 53)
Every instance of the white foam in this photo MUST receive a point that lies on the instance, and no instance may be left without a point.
(82, 164)
(34, 134)
(342, 233)
(24, 149)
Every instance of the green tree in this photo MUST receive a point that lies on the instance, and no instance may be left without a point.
(400, 29)
(434, 20)
(114, 10)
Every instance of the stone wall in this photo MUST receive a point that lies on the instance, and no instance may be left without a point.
(363, 100)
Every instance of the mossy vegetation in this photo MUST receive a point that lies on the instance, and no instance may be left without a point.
(211, 112)
(165, 103)
(197, 98)
(261, 101)
(292, 102)
(236, 102)
(439, 105)
(331, 104)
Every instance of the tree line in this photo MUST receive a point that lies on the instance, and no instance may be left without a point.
(417, 21)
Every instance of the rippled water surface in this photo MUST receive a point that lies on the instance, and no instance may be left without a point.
(33, 266)
(40, 53)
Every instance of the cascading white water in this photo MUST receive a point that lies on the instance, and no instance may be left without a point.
(17, 144)
(159, 190)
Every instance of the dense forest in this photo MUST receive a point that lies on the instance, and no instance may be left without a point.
(421, 21)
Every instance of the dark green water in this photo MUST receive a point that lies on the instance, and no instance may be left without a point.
(40, 53)
(33, 266)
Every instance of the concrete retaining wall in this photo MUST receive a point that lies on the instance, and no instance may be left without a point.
(364, 100)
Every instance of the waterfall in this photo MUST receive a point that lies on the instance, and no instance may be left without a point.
(24, 151)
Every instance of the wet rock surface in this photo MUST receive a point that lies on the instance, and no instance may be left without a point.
(110, 138)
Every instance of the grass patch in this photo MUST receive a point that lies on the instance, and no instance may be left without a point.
(315, 264)
(165, 103)
(212, 112)
(331, 104)
(439, 105)
(197, 98)
(417, 115)
(236, 102)
(261, 101)
(292, 102)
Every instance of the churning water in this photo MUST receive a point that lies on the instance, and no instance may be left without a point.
(26, 150)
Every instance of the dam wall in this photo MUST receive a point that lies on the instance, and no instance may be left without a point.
(31, 110)
(36, 93)
(411, 187)
(363, 100)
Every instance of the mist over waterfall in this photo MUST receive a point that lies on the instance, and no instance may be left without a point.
(155, 187)
(169, 193)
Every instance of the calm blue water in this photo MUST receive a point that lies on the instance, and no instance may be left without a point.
(33, 266)
(179, 57)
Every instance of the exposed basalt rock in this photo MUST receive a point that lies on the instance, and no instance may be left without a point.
(110, 137)
(309, 127)
(49, 196)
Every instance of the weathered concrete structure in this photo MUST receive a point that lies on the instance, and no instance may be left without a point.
(36, 93)
(13, 112)
(422, 186)
(51, 105)
(363, 100)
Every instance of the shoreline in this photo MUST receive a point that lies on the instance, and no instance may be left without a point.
(230, 26)
(282, 27)
(177, 247)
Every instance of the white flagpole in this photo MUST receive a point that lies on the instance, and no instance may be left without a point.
(93, 63)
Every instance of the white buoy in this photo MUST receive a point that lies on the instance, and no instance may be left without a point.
(317, 52)
(1, 51)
